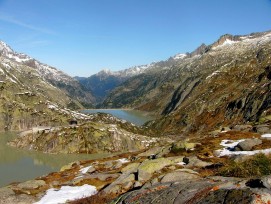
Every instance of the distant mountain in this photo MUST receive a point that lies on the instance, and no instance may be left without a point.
(102, 83)
(33, 93)
(51, 75)
(227, 82)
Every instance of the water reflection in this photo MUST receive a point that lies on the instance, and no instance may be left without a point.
(20, 165)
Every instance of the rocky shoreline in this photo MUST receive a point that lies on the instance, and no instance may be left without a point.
(179, 173)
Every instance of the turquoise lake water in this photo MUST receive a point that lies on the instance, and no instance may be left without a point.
(133, 116)
(17, 165)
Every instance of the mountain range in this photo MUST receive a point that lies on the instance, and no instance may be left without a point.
(102, 83)
(224, 83)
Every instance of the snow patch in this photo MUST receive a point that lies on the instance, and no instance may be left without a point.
(4, 46)
(230, 144)
(179, 56)
(85, 170)
(266, 135)
(228, 42)
(213, 74)
(67, 193)
(181, 163)
(123, 160)
(53, 107)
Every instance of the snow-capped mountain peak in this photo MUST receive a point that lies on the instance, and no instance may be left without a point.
(129, 72)
(5, 48)
(48, 72)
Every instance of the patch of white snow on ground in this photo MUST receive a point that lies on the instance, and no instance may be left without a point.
(67, 193)
(85, 170)
(266, 135)
(230, 144)
(181, 163)
(123, 160)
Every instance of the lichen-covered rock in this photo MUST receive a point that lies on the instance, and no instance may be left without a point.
(103, 176)
(69, 166)
(156, 151)
(179, 176)
(201, 191)
(130, 168)
(29, 187)
(91, 137)
(193, 161)
(122, 184)
(32, 184)
(148, 167)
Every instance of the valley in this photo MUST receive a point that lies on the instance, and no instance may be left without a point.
(206, 116)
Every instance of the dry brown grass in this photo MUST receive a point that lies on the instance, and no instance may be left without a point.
(99, 198)
(258, 165)
(265, 145)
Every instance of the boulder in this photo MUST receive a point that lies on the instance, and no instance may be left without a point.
(266, 180)
(148, 167)
(164, 193)
(179, 176)
(69, 166)
(245, 128)
(18, 199)
(108, 164)
(32, 184)
(184, 145)
(202, 191)
(176, 159)
(193, 161)
(248, 144)
(262, 129)
(155, 151)
(103, 176)
(6, 192)
(124, 183)
(29, 187)
(91, 170)
(130, 168)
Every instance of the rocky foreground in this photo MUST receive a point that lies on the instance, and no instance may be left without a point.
(206, 170)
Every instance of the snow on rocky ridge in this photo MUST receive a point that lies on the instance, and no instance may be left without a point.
(227, 41)
(132, 71)
(44, 70)
(179, 56)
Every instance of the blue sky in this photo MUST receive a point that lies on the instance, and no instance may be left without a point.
(81, 37)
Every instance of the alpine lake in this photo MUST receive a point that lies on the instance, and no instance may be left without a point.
(18, 165)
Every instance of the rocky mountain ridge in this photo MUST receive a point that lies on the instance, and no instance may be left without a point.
(50, 74)
(33, 94)
(221, 80)
(102, 83)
